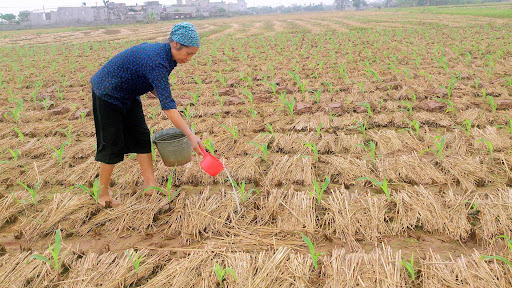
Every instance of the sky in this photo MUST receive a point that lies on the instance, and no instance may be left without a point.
(14, 6)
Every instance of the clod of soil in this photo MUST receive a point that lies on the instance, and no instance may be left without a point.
(335, 108)
(78, 113)
(231, 83)
(59, 111)
(286, 89)
(226, 92)
(503, 103)
(361, 109)
(436, 92)
(390, 86)
(432, 106)
(302, 108)
(232, 101)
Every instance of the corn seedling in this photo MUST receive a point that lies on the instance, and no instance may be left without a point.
(263, 148)
(413, 125)
(288, 105)
(32, 191)
(361, 86)
(233, 130)
(368, 108)
(371, 149)
(168, 190)
(319, 191)
(209, 145)
(222, 79)
(466, 126)
(15, 112)
(270, 130)
(15, 155)
(221, 99)
(490, 100)
(313, 148)
(362, 127)
(59, 153)
(154, 112)
(319, 130)
(188, 112)
(509, 127)
(409, 265)
(20, 135)
(408, 105)
(449, 87)
(195, 97)
(316, 95)
(439, 148)
(449, 103)
(94, 192)
(311, 246)
(68, 133)
(241, 189)
(55, 252)
(382, 184)
(221, 273)
(135, 259)
(489, 146)
(498, 257)
(272, 85)
(46, 102)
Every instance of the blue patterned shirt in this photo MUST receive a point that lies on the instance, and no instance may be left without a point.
(134, 72)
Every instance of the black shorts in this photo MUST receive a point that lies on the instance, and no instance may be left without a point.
(119, 132)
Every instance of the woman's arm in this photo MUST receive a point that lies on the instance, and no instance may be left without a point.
(179, 123)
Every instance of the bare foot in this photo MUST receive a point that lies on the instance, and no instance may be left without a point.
(108, 202)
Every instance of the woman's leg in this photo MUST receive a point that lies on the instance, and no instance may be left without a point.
(146, 166)
(105, 174)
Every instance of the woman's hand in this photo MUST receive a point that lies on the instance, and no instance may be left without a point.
(197, 144)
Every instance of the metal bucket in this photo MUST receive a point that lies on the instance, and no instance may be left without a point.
(173, 146)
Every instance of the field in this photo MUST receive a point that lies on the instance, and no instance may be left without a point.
(383, 137)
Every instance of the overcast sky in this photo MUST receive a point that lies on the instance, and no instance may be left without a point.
(14, 6)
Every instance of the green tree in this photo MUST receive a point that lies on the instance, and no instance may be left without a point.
(7, 17)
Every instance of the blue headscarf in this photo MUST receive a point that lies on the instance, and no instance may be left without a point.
(185, 33)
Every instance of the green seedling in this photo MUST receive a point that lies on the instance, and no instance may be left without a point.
(490, 100)
(368, 108)
(509, 127)
(59, 153)
(449, 103)
(188, 112)
(241, 189)
(272, 85)
(466, 126)
(288, 105)
(313, 148)
(252, 111)
(168, 190)
(361, 86)
(319, 191)
(233, 130)
(498, 257)
(409, 265)
(15, 112)
(263, 148)
(68, 133)
(311, 246)
(382, 184)
(154, 112)
(135, 259)
(489, 146)
(439, 148)
(449, 87)
(371, 149)
(195, 97)
(209, 145)
(408, 105)
(413, 125)
(316, 95)
(46, 102)
(249, 95)
(221, 99)
(221, 273)
(270, 130)
(15, 155)
(94, 192)
(319, 130)
(55, 252)
(32, 191)
(20, 135)
(362, 127)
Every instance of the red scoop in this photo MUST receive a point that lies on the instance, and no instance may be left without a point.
(210, 164)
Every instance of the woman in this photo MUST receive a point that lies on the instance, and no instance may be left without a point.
(118, 116)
